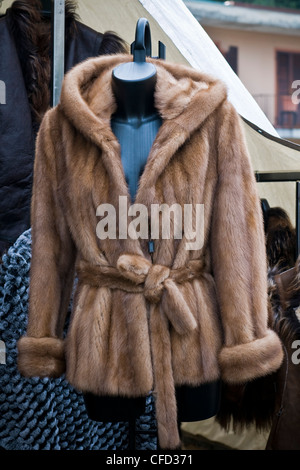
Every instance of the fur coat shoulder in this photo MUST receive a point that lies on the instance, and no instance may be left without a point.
(141, 323)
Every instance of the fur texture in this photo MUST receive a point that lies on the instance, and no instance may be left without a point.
(284, 433)
(32, 35)
(188, 317)
(32, 39)
(280, 239)
(45, 354)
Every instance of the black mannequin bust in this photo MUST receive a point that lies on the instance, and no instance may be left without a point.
(136, 121)
(135, 124)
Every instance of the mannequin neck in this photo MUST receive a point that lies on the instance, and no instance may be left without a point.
(133, 85)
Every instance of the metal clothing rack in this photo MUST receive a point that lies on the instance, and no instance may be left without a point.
(285, 176)
(58, 49)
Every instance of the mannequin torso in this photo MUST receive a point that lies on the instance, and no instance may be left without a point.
(136, 121)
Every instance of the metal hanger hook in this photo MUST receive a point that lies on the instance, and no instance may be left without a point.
(142, 44)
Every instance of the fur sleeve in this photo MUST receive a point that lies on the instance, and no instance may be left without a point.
(239, 261)
(41, 351)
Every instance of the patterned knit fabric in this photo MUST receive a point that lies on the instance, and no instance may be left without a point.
(48, 414)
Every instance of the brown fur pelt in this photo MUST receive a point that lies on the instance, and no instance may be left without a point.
(32, 36)
(287, 318)
(280, 239)
(285, 429)
(32, 41)
(284, 296)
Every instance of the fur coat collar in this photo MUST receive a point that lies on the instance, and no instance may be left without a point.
(140, 323)
(183, 102)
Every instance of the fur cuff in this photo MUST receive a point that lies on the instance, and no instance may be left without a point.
(41, 357)
(245, 362)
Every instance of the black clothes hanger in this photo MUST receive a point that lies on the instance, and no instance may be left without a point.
(137, 77)
(139, 69)
(141, 47)
(136, 118)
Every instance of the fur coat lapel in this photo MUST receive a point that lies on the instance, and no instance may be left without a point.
(183, 103)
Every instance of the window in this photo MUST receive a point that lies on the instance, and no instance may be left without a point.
(288, 70)
(231, 55)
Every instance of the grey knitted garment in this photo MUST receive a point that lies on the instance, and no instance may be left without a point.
(47, 414)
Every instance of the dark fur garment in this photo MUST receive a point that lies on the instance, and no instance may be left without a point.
(32, 36)
(280, 239)
(257, 402)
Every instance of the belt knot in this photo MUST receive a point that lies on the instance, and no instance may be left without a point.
(159, 285)
(156, 280)
(141, 271)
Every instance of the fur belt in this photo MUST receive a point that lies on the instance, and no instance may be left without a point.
(160, 286)
(158, 283)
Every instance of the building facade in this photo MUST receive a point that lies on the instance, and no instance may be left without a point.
(262, 45)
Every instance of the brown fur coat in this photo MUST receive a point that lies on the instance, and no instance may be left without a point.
(191, 316)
